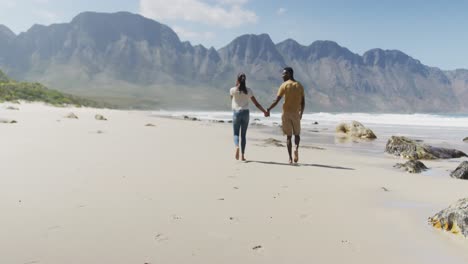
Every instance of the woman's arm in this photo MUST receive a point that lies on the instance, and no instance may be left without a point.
(257, 104)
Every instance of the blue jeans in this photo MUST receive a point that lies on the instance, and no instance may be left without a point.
(240, 122)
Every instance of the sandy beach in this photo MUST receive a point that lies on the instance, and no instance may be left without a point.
(119, 191)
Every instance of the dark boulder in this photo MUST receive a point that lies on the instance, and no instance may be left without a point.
(453, 219)
(411, 149)
(412, 166)
(355, 130)
(461, 172)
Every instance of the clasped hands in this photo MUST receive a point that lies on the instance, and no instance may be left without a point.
(266, 113)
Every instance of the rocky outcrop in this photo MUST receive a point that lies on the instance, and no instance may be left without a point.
(465, 139)
(453, 219)
(461, 172)
(355, 130)
(412, 166)
(411, 149)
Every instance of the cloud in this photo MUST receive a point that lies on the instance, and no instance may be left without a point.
(224, 13)
(187, 34)
(281, 11)
(233, 2)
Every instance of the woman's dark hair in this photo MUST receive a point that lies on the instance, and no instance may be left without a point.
(241, 83)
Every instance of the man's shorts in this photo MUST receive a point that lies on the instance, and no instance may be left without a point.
(291, 123)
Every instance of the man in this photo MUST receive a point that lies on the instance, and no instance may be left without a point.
(293, 108)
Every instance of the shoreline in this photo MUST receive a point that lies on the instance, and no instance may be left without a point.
(173, 193)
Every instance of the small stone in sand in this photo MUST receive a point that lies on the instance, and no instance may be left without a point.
(385, 189)
(71, 116)
(8, 121)
(257, 247)
(150, 125)
(100, 117)
(191, 118)
(12, 108)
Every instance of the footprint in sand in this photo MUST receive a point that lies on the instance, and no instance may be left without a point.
(351, 245)
(54, 228)
(176, 217)
(161, 237)
(257, 247)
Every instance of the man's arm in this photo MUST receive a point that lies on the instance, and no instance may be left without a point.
(302, 106)
(278, 98)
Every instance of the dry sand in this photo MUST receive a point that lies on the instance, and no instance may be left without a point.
(118, 191)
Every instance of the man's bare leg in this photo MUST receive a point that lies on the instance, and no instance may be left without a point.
(289, 145)
(237, 153)
(297, 139)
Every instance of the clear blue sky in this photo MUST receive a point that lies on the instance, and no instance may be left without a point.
(435, 32)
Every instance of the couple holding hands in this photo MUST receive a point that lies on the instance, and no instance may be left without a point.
(293, 108)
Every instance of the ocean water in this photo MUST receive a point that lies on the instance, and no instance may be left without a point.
(437, 130)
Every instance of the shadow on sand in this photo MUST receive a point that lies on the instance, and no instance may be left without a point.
(299, 165)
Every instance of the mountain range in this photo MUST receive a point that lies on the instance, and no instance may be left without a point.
(132, 61)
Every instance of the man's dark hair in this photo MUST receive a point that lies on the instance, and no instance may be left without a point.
(290, 71)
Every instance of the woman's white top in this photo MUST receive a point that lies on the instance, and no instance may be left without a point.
(240, 100)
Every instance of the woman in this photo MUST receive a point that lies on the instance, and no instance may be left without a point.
(240, 96)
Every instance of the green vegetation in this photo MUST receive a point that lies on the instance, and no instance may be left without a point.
(3, 77)
(11, 90)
